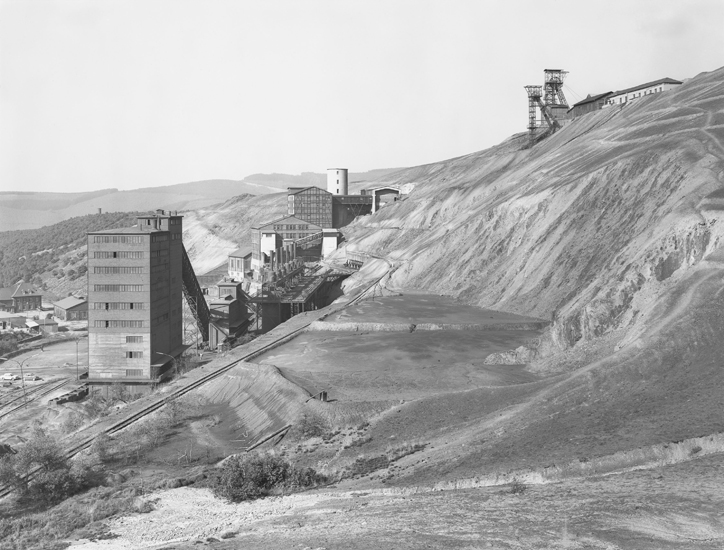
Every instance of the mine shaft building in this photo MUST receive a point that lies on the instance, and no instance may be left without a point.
(135, 292)
(327, 209)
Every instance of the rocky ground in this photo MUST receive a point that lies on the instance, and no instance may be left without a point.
(672, 507)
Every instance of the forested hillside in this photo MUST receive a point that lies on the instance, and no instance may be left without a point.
(26, 254)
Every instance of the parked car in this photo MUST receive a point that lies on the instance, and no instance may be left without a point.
(10, 376)
(31, 376)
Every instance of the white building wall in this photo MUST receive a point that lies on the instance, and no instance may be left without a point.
(329, 242)
(337, 183)
(620, 99)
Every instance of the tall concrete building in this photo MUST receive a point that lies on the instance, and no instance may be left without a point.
(135, 299)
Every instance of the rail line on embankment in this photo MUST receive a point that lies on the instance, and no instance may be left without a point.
(87, 441)
(32, 395)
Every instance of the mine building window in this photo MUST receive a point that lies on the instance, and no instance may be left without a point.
(134, 339)
(134, 372)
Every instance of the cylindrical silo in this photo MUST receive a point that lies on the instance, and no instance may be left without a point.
(337, 181)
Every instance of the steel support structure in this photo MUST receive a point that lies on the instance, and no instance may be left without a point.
(554, 87)
(534, 95)
(195, 296)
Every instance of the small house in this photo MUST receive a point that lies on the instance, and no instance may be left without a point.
(47, 326)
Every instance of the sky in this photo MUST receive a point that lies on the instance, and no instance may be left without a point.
(125, 94)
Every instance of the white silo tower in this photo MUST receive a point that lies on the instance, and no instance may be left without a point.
(337, 181)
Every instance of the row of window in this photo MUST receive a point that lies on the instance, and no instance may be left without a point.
(118, 305)
(125, 254)
(117, 323)
(134, 339)
(176, 237)
(174, 221)
(160, 267)
(635, 95)
(134, 373)
(159, 253)
(127, 239)
(118, 288)
(163, 237)
(134, 354)
(112, 270)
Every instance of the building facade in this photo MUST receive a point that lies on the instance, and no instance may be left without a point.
(135, 299)
(590, 104)
(20, 297)
(630, 94)
(71, 309)
(239, 263)
(310, 204)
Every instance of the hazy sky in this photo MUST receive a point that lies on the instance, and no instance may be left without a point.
(127, 94)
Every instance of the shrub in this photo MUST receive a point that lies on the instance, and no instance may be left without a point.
(310, 425)
(517, 487)
(55, 477)
(8, 343)
(247, 477)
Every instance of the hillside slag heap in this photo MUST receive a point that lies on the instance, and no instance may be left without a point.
(589, 228)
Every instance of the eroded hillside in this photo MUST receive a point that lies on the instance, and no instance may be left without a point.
(585, 228)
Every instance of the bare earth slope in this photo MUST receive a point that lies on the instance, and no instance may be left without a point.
(586, 226)
(610, 228)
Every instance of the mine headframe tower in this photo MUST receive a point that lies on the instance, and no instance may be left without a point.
(554, 87)
(552, 92)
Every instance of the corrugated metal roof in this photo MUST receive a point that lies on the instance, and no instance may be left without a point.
(591, 99)
(69, 302)
(295, 190)
(242, 252)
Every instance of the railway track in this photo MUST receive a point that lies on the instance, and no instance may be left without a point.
(40, 391)
(135, 417)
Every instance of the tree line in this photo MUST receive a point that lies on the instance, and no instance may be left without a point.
(27, 253)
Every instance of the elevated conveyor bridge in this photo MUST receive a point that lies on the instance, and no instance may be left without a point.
(195, 297)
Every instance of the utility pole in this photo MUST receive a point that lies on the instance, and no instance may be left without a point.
(22, 375)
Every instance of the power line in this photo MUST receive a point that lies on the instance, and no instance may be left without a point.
(573, 92)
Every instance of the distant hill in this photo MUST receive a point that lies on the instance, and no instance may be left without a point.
(28, 254)
(28, 210)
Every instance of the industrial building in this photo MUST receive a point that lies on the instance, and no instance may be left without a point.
(71, 309)
(325, 209)
(642, 90)
(310, 204)
(229, 312)
(550, 101)
(276, 269)
(590, 104)
(239, 263)
(622, 97)
(137, 277)
(382, 196)
(20, 297)
(268, 240)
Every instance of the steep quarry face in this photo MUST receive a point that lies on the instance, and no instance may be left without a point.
(590, 227)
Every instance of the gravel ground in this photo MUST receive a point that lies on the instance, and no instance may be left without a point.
(188, 514)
